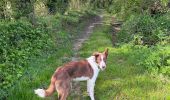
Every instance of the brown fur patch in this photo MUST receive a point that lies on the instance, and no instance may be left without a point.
(74, 69)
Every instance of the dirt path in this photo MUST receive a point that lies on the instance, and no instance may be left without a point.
(84, 35)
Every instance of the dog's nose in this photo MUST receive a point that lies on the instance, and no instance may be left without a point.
(103, 67)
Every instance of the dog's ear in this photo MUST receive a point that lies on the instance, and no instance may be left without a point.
(96, 54)
(106, 51)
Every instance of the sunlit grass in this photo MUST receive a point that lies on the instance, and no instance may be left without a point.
(122, 79)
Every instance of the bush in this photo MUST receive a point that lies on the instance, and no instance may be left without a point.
(155, 59)
(158, 59)
(149, 29)
(19, 42)
(148, 42)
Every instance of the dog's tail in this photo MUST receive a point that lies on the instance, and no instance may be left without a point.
(44, 93)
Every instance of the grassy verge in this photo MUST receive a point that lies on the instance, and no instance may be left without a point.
(122, 79)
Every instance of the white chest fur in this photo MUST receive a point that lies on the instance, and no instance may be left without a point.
(94, 66)
(91, 82)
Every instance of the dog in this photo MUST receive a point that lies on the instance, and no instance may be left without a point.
(83, 70)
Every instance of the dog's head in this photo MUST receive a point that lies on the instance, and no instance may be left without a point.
(101, 58)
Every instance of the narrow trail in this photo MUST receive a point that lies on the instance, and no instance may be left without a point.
(83, 36)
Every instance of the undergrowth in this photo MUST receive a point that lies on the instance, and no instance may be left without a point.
(18, 43)
(148, 37)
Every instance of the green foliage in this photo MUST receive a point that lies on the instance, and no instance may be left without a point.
(2, 9)
(149, 30)
(22, 8)
(154, 59)
(125, 8)
(18, 43)
(59, 6)
(157, 61)
(73, 18)
(101, 3)
(148, 41)
(22, 45)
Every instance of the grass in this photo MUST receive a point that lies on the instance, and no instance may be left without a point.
(122, 79)
(37, 76)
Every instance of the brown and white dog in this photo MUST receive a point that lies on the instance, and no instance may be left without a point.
(76, 71)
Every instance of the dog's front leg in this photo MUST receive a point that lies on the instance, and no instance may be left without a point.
(90, 88)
